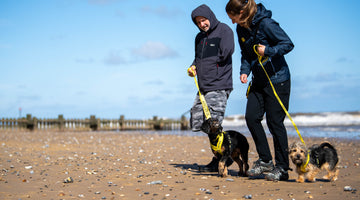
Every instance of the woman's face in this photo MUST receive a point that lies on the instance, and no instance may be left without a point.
(235, 18)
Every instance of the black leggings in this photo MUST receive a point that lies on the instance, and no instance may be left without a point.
(261, 101)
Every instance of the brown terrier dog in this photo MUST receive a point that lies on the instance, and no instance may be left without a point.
(309, 162)
(234, 145)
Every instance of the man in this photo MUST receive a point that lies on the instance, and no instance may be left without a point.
(214, 46)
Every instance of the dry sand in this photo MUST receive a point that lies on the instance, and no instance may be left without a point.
(133, 165)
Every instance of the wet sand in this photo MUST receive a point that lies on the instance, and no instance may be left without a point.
(134, 165)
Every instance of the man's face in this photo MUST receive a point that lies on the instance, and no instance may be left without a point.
(203, 23)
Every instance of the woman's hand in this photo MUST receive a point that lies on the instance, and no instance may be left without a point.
(243, 78)
(261, 50)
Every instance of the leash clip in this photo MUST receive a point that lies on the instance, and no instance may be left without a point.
(303, 167)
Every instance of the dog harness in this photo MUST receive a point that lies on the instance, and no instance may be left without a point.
(220, 140)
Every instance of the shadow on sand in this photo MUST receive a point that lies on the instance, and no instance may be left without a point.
(195, 169)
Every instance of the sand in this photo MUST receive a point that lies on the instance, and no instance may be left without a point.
(135, 165)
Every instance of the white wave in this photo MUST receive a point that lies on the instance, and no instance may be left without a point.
(307, 119)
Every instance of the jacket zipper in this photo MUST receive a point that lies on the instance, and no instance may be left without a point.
(202, 50)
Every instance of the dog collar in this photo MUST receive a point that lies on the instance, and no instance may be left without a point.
(303, 167)
(219, 139)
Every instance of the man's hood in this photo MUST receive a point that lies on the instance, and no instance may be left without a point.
(206, 12)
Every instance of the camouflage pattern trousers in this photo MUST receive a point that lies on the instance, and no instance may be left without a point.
(216, 101)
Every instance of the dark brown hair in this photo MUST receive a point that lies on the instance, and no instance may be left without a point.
(249, 8)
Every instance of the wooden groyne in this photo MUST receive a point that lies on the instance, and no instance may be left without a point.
(91, 124)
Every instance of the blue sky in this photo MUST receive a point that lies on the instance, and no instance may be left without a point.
(123, 57)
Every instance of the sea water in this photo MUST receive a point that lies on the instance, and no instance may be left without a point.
(345, 132)
(341, 132)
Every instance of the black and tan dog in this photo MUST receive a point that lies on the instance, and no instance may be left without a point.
(309, 162)
(227, 144)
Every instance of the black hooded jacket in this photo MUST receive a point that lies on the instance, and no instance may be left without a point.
(264, 30)
(213, 51)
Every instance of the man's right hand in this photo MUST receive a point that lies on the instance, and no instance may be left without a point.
(192, 71)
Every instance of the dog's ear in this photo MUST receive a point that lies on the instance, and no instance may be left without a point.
(220, 129)
(292, 145)
(205, 127)
(288, 150)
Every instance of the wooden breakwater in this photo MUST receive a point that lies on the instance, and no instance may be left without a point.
(91, 124)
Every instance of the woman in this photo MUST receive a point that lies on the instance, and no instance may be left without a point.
(255, 27)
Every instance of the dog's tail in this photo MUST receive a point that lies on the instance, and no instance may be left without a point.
(332, 162)
(326, 144)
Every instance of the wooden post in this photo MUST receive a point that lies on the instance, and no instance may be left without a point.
(184, 123)
(61, 122)
(29, 122)
(122, 122)
(35, 122)
(157, 125)
(23, 123)
(93, 123)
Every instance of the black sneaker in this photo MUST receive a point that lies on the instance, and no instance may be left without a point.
(213, 166)
(278, 174)
(260, 167)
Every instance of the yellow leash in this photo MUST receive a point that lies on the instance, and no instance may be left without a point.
(303, 167)
(281, 104)
(202, 99)
(220, 137)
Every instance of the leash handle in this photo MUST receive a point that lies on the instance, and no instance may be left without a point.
(202, 98)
